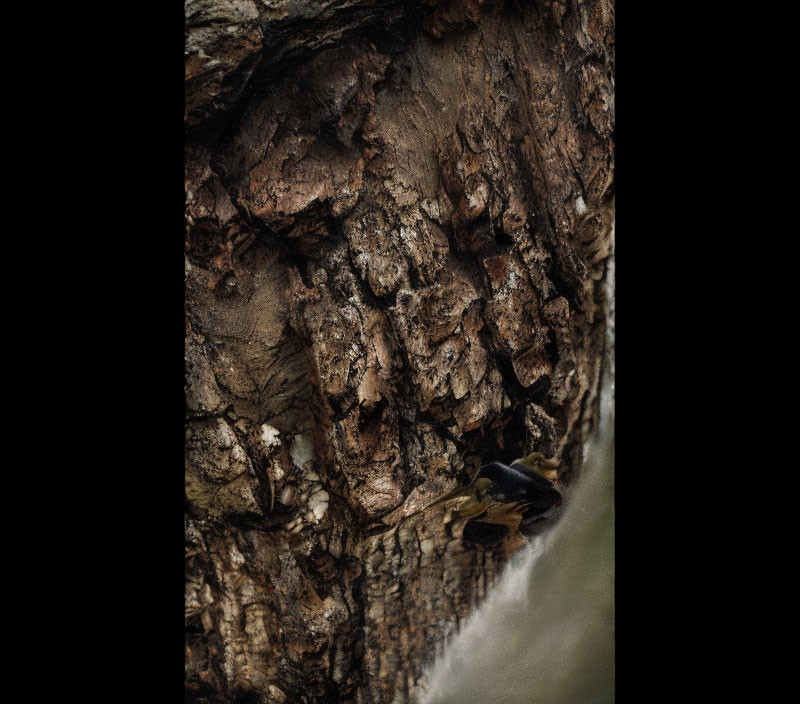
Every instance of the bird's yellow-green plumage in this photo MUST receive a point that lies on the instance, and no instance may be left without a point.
(468, 495)
(474, 498)
(471, 499)
(548, 468)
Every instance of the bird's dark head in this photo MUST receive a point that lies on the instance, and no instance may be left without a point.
(518, 483)
(494, 471)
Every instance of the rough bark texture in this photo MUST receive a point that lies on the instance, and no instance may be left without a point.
(398, 219)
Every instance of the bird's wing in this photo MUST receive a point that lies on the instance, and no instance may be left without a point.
(471, 510)
(509, 515)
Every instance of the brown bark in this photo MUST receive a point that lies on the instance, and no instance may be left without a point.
(399, 216)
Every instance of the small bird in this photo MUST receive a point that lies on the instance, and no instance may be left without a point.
(520, 484)
(528, 483)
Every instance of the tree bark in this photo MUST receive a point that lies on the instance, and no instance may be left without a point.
(399, 216)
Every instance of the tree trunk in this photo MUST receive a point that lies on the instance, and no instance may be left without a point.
(399, 218)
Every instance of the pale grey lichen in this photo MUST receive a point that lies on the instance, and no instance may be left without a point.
(302, 450)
